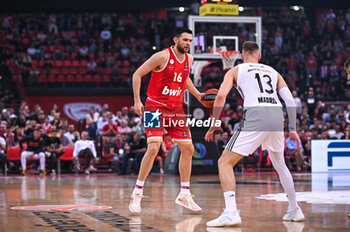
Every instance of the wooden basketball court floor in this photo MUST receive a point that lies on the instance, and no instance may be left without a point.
(57, 202)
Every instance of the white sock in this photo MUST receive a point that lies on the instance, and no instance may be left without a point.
(230, 201)
(139, 186)
(286, 178)
(185, 188)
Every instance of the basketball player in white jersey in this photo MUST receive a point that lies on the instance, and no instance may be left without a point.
(262, 124)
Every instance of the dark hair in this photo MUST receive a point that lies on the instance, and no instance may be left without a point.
(181, 30)
(347, 63)
(38, 129)
(250, 46)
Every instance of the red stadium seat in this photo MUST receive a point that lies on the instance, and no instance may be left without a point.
(76, 63)
(97, 78)
(41, 63)
(60, 78)
(67, 63)
(107, 71)
(70, 78)
(58, 63)
(82, 71)
(73, 71)
(105, 78)
(65, 71)
(14, 78)
(79, 79)
(13, 153)
(51, 78)
(42, 79)
(126, 63)
(68, 154)
(73, 55)
(35, 63)
(52, 48)
(88, 78)
(83, 63)
(125, 71)
(56, 71)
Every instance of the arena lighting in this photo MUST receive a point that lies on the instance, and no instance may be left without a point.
(296, 8)
(181, 9)
(154, 48)
(241, 8)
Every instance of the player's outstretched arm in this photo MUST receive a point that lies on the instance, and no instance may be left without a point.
(153, 63)
(288, 99)
(193, 90)
(225, 88)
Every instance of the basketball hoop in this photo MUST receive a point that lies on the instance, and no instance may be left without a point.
(229, 58)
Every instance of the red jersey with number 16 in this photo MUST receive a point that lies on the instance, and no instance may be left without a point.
(167, 86)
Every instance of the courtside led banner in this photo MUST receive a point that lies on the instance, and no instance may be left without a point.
(330, 155)
(218, 9)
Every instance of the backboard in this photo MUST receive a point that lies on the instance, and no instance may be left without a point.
(212, 34)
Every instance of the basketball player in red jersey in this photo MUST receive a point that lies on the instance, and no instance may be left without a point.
(170, 69)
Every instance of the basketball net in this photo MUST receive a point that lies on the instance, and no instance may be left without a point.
(229, 58)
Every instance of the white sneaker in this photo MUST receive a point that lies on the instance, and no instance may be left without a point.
(92, 169)
(294, 215)
(226, 219)
(161, 171)
(135, 203)
(187, 202)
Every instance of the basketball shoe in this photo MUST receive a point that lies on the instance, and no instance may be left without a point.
(226, 219)
(294, 215)
(187, 202)
(135, 203)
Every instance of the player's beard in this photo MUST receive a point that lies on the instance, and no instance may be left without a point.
(180, 49)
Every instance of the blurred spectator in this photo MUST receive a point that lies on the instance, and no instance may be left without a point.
(117, 151)
(86, 149)
(70, 135)
(109, 131)
(46, 125)
(53, 150)
(123, 127)
(91, 121)
(252, 158)
(167, 144)
(138, 147)
(35, 145)
(11, 138)
(297, 153)
(3, 155)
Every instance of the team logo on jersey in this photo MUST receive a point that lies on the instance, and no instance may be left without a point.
(186, 66)
(184, 134)
(171, 67)
(171, 61)
(151, 119)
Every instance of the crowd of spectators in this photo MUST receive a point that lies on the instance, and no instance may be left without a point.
(117, 139)
(307, 47)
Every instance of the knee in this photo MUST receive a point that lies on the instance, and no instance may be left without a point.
(221, 162)
(187, 150)
(153, 150)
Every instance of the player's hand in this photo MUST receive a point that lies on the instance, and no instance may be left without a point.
(200, 97)
(294, 135)
(138, 107)
(209, 135)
